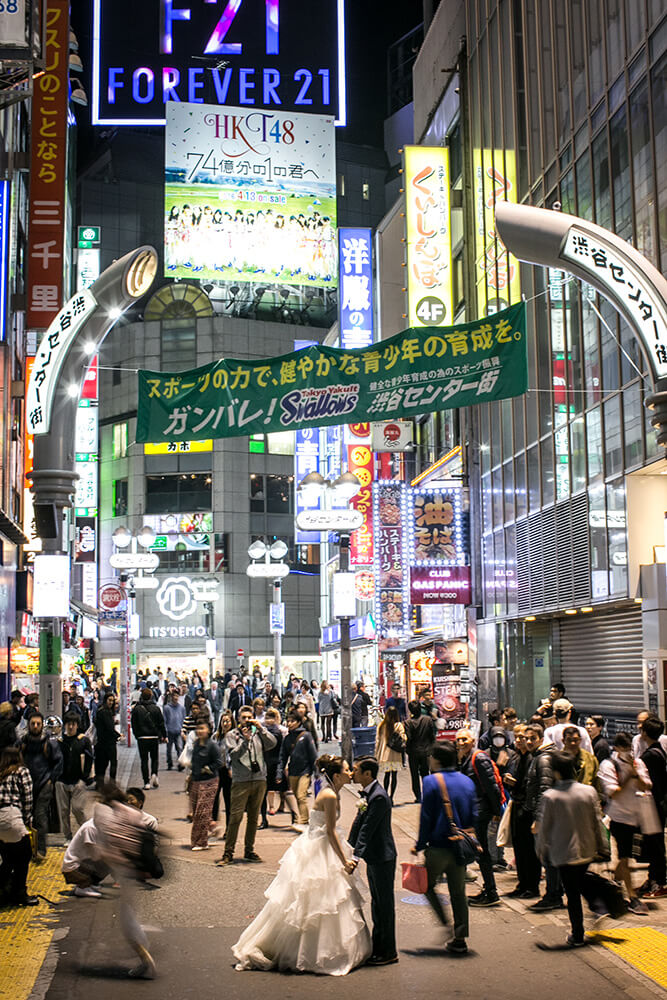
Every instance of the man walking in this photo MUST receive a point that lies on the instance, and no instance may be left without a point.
(77, 753)
(373, 842)
(174, 717)
(297, 757)
(44, 760)
(479, 767)
(541, 778)
(436, 837)
(570, 836)
(246, 745)
(148, 728)
(420, 737)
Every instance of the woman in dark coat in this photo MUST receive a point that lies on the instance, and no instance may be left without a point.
(107, 737)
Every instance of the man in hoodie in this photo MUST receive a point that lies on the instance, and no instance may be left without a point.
(44, 760)
(148, 728)
(77, 753)
(540, 778)
(477, 766)
(298, 754)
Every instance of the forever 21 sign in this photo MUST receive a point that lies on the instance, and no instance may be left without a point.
(256, 53)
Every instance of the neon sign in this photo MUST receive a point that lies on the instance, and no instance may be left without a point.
(244, 52)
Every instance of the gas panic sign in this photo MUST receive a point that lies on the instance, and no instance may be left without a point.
(270, 54)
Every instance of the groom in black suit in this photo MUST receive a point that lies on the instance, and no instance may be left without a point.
(372, 840)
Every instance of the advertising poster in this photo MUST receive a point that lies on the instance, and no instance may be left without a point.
(447, 696)
(360, 462)
(428, 235)
(437, 530)
(356, 287)
(417, 371)
(392, 598)
(250, 196)
(498, 277)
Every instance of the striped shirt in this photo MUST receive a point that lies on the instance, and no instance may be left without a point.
(16, 790)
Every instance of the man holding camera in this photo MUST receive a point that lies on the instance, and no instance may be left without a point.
(246, 745)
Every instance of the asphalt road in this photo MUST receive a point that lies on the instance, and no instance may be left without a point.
(198, 911)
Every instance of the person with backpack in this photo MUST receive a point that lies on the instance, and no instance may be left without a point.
(483, 772)
(389, 749)
(148, 728)
(655, 760)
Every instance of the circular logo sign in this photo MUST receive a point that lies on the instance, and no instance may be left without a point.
(89, 234)
(360, 430)
(392, 432)
(431, 310)
(176, 598)
(360, 455)
(110, 597)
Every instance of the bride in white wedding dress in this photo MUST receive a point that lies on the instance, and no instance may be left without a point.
(313, 919)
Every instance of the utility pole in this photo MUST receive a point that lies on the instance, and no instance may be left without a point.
(345, 662)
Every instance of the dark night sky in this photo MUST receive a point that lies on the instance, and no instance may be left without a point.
(372, 25)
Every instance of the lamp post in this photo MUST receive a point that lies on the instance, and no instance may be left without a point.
(314, 487)
(128, 562)
(275, 571)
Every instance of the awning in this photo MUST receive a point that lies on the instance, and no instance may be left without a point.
(11, 530)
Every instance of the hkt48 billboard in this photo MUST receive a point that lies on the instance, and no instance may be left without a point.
(250, 196)
(256, 53)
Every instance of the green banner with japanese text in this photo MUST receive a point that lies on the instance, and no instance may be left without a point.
(417, 371)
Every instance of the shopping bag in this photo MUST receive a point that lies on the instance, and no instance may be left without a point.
(504, 835)
(414, 877)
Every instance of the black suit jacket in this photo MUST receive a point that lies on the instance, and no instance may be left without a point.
(371, 835)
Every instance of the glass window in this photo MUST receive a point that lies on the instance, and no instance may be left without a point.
(508, 495)
(596, 67)
(222, 550)
(547, 471)
(257, 444)
(632, 361)
(178, 346)
(279, 494)
(532, 456)
(578, 41)
(562, 456)
(575, 400)
(594, 443)
(281, 443)
(496, 456)
(257, 494)
(642, 169)
(612, 436)
(597, 519)
(497, 487)
(567, 193)
(578, 454)
(584, 187)
(635, 24)
(178, 494)
(562, 81)
(659, 95)
(615, 41)
(511, 578)
(632, 422)
(591, 352)
(499, 573)
(119, 497)
(533, 92)
(520, 495)
(617, 537)
(119, 440)
(620, 172)
(508, 447)
(487, 501)
(610, 372)
(519, 430)
(601, 180)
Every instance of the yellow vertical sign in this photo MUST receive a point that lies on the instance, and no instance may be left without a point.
(497, 272)
(428, 235)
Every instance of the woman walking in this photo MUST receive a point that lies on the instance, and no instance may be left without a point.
(389, 749)
(15, 820)
(206, 762)
(225, 726)
(326, 711)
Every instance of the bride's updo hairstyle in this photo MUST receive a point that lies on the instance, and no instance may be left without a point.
(329, 765)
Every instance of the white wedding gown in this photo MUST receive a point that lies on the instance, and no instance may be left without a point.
(313, 919)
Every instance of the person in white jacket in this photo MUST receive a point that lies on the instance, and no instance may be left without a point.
(622, 779)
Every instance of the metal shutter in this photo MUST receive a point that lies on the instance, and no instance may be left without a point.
(601, 662)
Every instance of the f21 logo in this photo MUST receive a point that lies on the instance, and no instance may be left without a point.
(218, 43)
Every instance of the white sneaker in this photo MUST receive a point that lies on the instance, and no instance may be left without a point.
(87, 891)
(154, 782)
(147, 786)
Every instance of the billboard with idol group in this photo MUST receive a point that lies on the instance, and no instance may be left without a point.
(250, 196)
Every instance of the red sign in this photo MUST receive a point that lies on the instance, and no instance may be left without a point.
(440, 585)
(89, 390)
(360, 430)
(110, 597)
(239, 652)
(360, 462)
(46, 226)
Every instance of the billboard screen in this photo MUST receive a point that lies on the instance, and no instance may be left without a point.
(257, 53)
(428, 235)
(250, 196)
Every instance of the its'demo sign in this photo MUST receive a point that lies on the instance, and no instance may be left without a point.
(255, 53)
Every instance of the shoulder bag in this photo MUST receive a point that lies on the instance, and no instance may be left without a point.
(465, 844)
(396, 742)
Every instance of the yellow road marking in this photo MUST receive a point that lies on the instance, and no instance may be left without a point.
(26, 931)
(643, 947)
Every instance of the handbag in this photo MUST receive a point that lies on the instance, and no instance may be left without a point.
(396, 742)
(504, 834)
(649, 821)
(414, 878)
(465, 844)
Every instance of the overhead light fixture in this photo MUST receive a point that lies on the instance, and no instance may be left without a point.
(115, 313)
(278, 550)
(73, 42)
(78, 95)
(75, 63)
(586, 611)
(257, 550)
(121, 537)
(530, 618)
(570, 611)
(638, 600)
(73, 390)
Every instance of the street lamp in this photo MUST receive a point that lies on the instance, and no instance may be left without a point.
(128, 563)
(276, 571)
(313, 487)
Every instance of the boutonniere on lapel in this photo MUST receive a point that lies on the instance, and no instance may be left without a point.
(362, 805)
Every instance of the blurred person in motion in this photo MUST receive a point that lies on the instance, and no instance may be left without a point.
(437, 838)
(15, 822)
(654, 759)
(313, 919)
(570, 836)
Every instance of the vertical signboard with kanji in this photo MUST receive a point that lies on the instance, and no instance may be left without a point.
(392, 596)
(428, 235)
(306, 460)
(355, 271)
(438, 546)
(360, 463)
(498, 278)
(47, 172)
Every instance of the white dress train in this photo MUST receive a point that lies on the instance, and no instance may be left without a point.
(313, 919)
